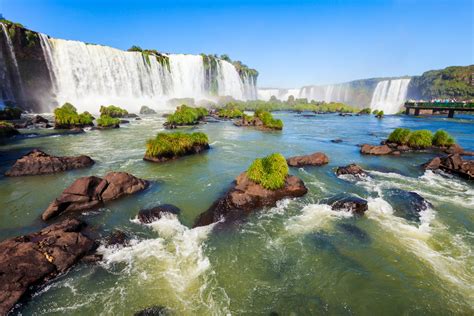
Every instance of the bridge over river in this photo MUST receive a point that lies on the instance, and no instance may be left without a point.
(442, 107)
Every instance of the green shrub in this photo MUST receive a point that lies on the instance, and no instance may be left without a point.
(107, 121)
(270, 172)
(7, 129)
(112, 111)
(185, 115)
(400, 136)
(375, 112)
(66, 116)
(268, 120)
(420, 139)
(230, 112)
(442, 138)
(365, 111)
(174, 144)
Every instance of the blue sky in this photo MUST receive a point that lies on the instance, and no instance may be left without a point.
(291, 43)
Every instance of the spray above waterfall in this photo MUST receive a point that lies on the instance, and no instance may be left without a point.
(389, 95)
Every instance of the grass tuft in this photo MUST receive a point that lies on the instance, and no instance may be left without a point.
(174, 144)
(270, 172)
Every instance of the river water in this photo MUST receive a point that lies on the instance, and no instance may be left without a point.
(299, 258)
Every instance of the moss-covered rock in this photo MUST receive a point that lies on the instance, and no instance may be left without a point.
(400, 136)
(185, 115)
(7, 130)
(420, 139)
(167, 146)
(270, 172)
(113, 111)
(262, 120)
(106, 122)
(442, 138)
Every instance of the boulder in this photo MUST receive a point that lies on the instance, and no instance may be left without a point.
(351, 169)
(375, 150)
(38, 162)
(352, 204)
(453, 163)
(7, 130)
(38, 119)
(146, 110)
(91, 192)
(455, 149)
(407, 204)
(247, 196)
(118, 237)
(153, 311)
(33, 259)
(336, 141)
(316, 159)
(150, 215)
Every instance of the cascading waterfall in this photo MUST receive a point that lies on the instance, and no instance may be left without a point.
(326, 93)
(389, 95)
(7, 90)
(92, 75)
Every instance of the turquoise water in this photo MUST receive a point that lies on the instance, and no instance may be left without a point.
(298, 258)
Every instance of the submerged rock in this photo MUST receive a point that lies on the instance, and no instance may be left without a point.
(38, 162)
(153, 311)
(407, 204)
(91, 192)
(336, 141)
(31, 260)
(355, 232)
(454, 164)
(118, 237)
(150, 215)
(246, 196)
(316, 159)
(352, 169)
(351, 203)
(375, 150)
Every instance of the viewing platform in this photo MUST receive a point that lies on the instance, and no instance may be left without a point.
(442, 107)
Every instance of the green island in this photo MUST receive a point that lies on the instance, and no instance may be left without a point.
(112, 111)
(166, 146)
(186, 115)
(270, 171)
(420, 138)
(66, 117)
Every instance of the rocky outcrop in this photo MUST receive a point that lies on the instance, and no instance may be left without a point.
(7, 130)
(91, 192)
(351, 169)
(316, 159)
(150, 215)
(407, 204)
(454, 164)
(117, 238)
(367, 149)
(31, 260)
(247, 196)
(38, 162)
(38, 119)
(146, 110)
(352, 204)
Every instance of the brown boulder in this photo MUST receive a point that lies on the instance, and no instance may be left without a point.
(31, 260)
(37, 162)
(455, 149)
(351, 169)
(92, 192)
(375, 150)
(247, 196)
(316, 159)
(452, 164)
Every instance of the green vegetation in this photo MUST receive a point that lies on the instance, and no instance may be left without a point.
(112, 111)
(66, 116)
(174, 144)
(365, 111)
(229, 112)
(448, 83)
(270, 172)
(146, 53)
(420, 139)
(10, 113)
(107, 121)
(268, 120)
(400, 136)
(442, 138)
(7, 129)
(298, 105)
(185, 115)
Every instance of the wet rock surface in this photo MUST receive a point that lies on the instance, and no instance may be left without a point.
(247, 196)
(316, 159)
(31, 260)
(352, 169)
(454, 164)
(375, 150)
(150, 215)
(407, 204)
(351, 204)
(38, 162)
(91, 192)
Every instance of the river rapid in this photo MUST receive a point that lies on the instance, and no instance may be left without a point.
(299, 258)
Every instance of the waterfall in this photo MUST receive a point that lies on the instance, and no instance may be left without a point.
(92, 75)
(389, 95)
(7, 91)
(327, 93)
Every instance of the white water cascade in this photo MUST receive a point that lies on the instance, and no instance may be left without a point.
(92, 75)
(326, 93)
(389, 95)
(6, 84)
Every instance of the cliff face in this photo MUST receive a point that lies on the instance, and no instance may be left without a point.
(448, 83)
(31, 89)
